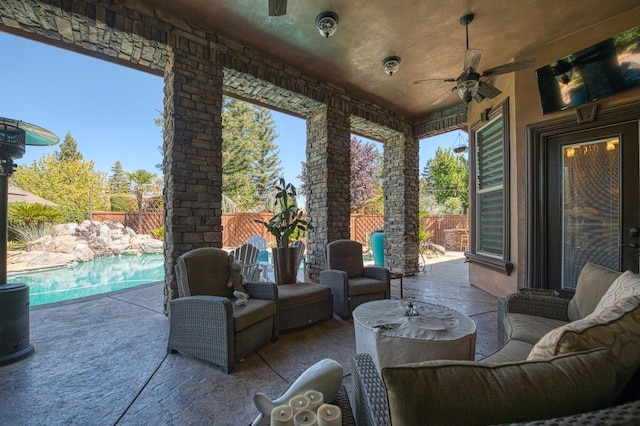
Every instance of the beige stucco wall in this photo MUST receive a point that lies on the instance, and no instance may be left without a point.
(525, 109)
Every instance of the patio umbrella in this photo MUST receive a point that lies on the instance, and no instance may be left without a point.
(14, 298)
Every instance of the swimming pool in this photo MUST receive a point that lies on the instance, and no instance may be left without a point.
(90, 278)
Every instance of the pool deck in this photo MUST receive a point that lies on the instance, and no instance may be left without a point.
(102, 360)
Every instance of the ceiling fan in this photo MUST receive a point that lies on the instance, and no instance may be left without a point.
(469, 83)
(277, 7)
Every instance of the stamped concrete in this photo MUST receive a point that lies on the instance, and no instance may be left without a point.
(102, 360)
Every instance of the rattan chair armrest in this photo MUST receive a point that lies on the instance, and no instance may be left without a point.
(371, 407)
(532, 304)
(215, 305)
(262, 290)
(334, 278)
(377, 272)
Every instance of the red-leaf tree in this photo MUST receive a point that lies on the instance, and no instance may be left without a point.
(365, 162)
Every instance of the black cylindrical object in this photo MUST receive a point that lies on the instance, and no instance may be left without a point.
(14, 323)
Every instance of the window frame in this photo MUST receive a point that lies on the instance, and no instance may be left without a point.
(500, 263)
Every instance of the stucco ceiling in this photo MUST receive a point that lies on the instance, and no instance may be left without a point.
(426, 34)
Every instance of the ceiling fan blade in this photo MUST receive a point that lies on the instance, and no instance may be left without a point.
(434, 80)
(478, 97)
(487, 90)
(277, 7)
(510, 67)
(444, 96)
(472, 58)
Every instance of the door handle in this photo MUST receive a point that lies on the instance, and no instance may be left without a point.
(632, 245)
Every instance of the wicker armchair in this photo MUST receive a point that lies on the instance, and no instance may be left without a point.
(351, 282)
(204, 321)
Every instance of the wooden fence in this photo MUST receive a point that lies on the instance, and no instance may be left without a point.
(238, 227)
(140, 223)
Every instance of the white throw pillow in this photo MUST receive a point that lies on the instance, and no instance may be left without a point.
(625, 286)
(616, 327)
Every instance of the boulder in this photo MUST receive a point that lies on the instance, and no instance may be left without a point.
(78, 243)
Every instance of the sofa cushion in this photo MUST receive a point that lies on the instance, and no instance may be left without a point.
(593, 282)
(626, 285)
(529, 328)
(512, 351)
(467, 392)
(616, 327)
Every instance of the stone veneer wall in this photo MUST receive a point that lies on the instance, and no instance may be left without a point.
(193, 151)
(193, 60)
(328, 170)
(401, 186)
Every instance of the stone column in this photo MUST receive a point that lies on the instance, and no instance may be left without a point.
(192, 151)
(328, 174)
(401, 190)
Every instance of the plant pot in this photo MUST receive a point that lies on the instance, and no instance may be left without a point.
(285, 264)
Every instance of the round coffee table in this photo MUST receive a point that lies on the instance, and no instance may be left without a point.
(391, 338)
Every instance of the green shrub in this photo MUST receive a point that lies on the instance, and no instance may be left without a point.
(23, 213)
(73, 214)
(123, 203)
(31, 232)
(158, 233)
(15, 245)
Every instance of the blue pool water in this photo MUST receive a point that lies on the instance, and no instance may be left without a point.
(90, 278)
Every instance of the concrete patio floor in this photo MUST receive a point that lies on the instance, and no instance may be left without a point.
(103, 360)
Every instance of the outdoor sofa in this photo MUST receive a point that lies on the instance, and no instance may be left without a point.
(563, 362)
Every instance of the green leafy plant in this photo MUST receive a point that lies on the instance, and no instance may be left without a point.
(423, 234)
(158, 233)
(33, 213)
(288, 221)
(31, 232)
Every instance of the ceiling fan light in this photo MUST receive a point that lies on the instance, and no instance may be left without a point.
(391, 64)
(327, 23)
(467, 90)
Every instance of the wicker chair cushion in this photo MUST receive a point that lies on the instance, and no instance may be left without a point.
(529, 328)
(470, 393)
(593, 282)
(626, 285)
(296, 294)
(617, 328)
(345, 255)
(362, 285)
(207, 272)
(253, 312)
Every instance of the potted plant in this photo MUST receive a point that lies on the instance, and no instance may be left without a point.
(286, 223)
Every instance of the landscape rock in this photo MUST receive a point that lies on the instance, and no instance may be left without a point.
(72, 243)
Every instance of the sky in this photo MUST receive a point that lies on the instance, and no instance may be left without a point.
(110, 109)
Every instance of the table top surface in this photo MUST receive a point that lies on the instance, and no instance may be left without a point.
(433, 322)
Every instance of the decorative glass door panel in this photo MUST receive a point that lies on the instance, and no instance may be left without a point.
(590, 207)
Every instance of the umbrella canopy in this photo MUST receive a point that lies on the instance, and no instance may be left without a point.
(34, 135)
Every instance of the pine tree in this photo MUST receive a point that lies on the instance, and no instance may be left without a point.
(250, 159)
(266, 165)
(68, 150)
(119, 180)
